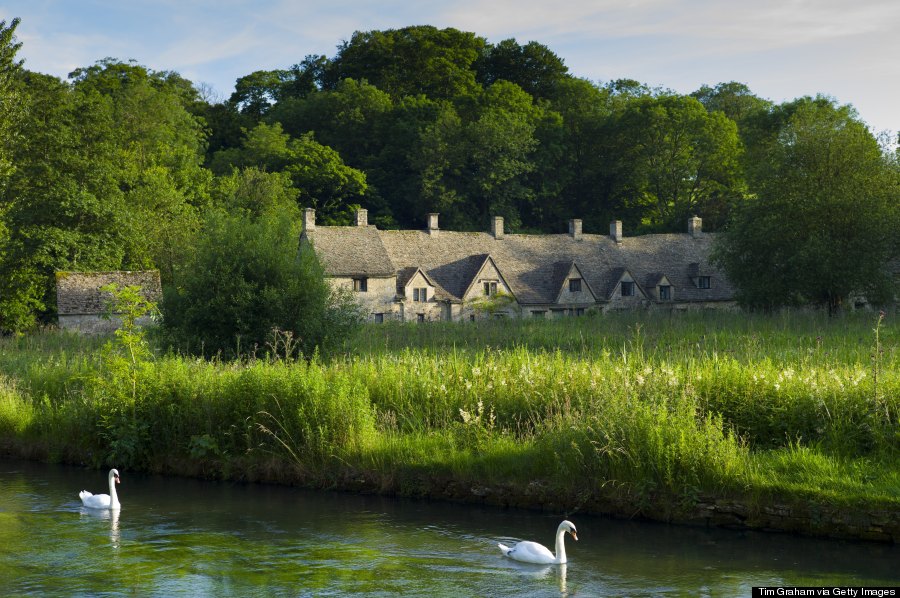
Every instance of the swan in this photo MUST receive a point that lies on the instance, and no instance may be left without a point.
(103, 501)
(532, 552)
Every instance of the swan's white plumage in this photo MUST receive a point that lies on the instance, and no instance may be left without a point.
(103, 501)
(532, 552)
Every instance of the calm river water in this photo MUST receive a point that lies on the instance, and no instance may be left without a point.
(180, 537)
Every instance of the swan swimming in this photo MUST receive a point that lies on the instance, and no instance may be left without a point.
(532, 552)
(103, 501)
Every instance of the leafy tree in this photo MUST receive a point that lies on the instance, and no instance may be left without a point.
(822, 222)
(733, 99)
(62, 207)
(317, 171)
(247, 280)
(685, 159)
(411, 61)
(253, 193)
(9, 104)
(473, 160)
(256, 93)
(533, 67)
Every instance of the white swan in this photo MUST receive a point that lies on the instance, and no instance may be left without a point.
(102, 501)
(532, 552)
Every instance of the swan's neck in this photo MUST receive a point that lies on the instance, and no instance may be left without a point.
(561, 545)
(113, 497)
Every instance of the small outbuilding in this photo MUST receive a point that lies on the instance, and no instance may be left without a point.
(81, 305)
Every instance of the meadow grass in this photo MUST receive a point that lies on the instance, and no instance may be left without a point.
(643, 409)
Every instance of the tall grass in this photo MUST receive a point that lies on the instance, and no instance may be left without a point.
(638, 408)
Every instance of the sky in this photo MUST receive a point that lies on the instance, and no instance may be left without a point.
(781, 49)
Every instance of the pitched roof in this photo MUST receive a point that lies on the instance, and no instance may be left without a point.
(351, 251)
(528, 263)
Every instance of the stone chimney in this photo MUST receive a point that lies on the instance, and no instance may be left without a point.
(615, 230)
(497, 227)
(695, 226)
(362, 217)
(575, 228)
(432, 224)
(309, 219)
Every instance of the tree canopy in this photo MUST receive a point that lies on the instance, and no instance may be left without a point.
(122, 167)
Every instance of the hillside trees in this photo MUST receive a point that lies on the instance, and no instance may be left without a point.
(822, 223)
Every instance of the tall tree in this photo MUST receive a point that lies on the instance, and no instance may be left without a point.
(318, 173)
(686, 160)
(533, 67)
(9, 104)
(63, 208)
(410, 61)
(823, 219)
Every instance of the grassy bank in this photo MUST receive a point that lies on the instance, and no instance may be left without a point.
(634, 413)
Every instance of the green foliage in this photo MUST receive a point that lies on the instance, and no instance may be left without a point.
(419, 60)
(9, 104)
(246, 279)
(821, 225)
(317, 172)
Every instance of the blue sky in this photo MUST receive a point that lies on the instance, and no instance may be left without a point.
(781, 49)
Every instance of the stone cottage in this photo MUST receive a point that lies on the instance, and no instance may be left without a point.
(80, 304)
(433, 274)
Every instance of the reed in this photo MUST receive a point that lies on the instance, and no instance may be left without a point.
(636, 408)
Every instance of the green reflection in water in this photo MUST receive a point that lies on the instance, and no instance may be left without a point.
(185, 537)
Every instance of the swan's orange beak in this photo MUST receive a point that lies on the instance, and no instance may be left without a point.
(118, 481)
(574, 535)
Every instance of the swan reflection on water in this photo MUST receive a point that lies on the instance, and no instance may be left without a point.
(548, 572)
(112, 515)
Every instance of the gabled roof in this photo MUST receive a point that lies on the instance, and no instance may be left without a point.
(405, 275)
(561, 271)
(616, 276)
(487, 260)
(528, 263)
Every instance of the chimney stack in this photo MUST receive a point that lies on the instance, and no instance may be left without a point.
(695, 226)
(362, 217)
(497, 227)
(575, 228)
(615, 230)
(309, 219)
(432, 224)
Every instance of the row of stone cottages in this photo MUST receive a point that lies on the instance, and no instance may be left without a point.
(432, 274)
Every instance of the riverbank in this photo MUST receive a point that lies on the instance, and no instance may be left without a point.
(785, 425)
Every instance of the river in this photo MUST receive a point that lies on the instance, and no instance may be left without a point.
(184, 537)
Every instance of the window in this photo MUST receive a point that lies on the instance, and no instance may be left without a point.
(703, 282)
(574, 285)
(379, 318)
(420, 318)
(665, 292)
(471, 317)
(558, 313)
(579, 311)
(627, 289)
(490, 287)
(538, 314)
(420, 295)
(361, 285)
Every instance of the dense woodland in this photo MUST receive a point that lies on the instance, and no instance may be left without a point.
(125, 167)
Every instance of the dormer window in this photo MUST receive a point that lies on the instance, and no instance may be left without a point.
(627, 289)
(361, 285)
(665, 292)
(490, 287)
(420, 295)
(574, 285)
(703, 282)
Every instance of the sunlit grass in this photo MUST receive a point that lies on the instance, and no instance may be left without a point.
(643, 408)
